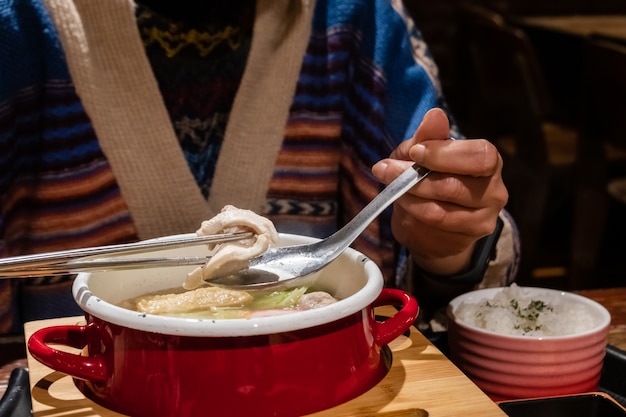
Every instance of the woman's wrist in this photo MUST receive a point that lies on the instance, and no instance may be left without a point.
(451, 284)
(448, 266)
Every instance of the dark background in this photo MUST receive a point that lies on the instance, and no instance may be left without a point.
(439, 23)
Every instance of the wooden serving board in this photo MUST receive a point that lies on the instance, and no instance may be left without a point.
(422, 382)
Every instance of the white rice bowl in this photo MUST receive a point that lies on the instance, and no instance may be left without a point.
(523, 311)
(526, 342)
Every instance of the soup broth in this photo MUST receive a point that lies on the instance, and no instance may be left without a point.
(219, 303)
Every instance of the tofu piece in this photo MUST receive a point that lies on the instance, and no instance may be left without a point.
(188, 301)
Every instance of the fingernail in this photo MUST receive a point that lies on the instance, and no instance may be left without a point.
(418, 152)
(379, 169)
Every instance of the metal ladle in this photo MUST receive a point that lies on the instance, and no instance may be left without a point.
(292, 265)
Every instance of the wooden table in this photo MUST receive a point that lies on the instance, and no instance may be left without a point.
(612, 26)
(421, 382)
(431, 383)
(614, 299)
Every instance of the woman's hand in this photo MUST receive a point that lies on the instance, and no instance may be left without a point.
(441, 218)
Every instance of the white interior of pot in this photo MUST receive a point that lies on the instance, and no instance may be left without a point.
(352, 278)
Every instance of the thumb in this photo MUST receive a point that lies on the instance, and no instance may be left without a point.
(435, 126)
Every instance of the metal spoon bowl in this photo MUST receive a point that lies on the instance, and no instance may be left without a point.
(296, 265)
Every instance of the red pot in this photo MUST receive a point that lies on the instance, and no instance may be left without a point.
(287, 365)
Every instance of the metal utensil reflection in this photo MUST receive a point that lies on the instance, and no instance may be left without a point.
(295, 265)
(86, 259)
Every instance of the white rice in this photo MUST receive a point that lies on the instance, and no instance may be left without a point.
(513, 311)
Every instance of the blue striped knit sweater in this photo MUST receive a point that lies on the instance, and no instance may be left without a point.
(367, 80)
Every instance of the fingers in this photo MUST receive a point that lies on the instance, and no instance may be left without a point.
(430, 147)
(463, 191)
(476, 157)
(418, 213)
(441, 218)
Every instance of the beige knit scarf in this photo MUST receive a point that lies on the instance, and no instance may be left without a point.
(115, 82)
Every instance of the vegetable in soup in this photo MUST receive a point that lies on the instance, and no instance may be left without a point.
(221, 303)
(195, 300)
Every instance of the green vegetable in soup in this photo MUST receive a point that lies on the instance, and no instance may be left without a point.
(278, 300)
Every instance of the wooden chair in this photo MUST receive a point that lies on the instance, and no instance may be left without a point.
(602, 159)
(513, 108)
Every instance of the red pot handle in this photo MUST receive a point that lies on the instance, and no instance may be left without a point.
(394, 326)
(81, 367)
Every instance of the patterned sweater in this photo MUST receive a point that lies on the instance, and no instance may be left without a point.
(365, 83)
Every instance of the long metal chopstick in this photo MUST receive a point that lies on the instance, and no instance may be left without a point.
(101, 264)
(74, 260)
